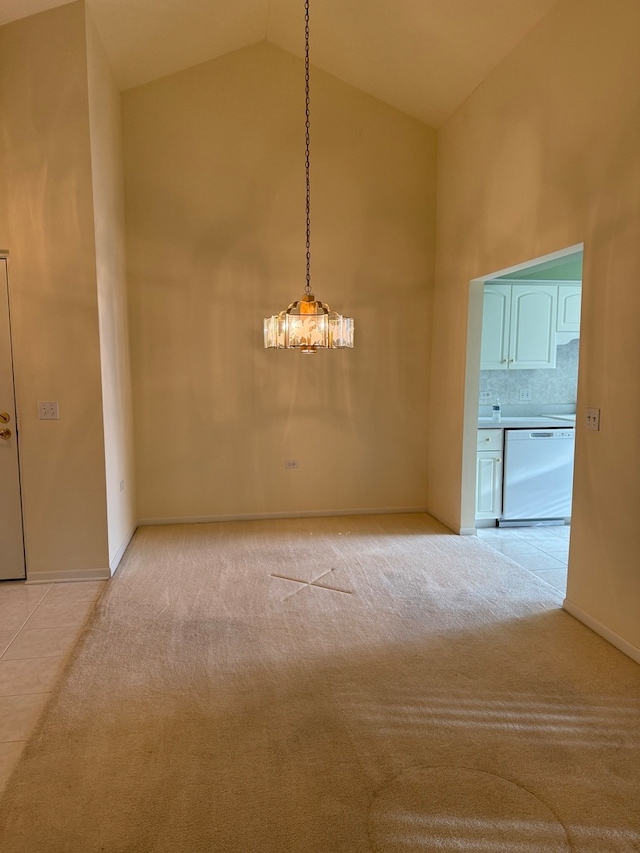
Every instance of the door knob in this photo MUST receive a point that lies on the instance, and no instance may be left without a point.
(5, 434)
(5, 417)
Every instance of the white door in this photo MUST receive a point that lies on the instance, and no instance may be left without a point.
(569, 296)
(532, 342)
(496, 314)
(489, 484)
(12, 565)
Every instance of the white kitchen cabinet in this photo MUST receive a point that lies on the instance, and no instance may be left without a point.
(569, 298)
(519, 326)
(489, 474)
(496, 318)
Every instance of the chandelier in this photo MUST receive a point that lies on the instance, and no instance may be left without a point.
(308, 324)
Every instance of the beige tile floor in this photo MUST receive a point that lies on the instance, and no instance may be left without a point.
(39, 625)
(544, 550)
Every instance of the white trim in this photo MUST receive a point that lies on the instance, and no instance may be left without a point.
(502, 280)
(120, 552)
(206, 519)
(606, 633)
(65, 575)
(534, 262)
(461, 531)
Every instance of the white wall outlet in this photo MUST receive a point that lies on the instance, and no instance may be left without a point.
(593, 419)
(122, 485)
(525, 395)
(48, 410)
(289, 464)
(486, 396)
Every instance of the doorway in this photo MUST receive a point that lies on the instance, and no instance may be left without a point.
(533, 387)
(12, 559)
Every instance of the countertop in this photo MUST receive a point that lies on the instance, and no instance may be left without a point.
(528, 422)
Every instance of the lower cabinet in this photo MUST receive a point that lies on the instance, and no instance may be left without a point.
(489, 474)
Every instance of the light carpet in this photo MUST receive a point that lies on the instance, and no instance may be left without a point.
(336, 685)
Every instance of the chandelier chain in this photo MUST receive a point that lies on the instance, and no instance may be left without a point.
(307, 139)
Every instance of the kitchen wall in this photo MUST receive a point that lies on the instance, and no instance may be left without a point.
(551, 390)
(214, 173)
(544, 155)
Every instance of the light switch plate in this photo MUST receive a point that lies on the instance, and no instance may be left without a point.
(593, 419)
(48, 410)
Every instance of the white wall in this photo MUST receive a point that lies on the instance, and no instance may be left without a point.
(214, 169)
(108, 207)
(542, 156)
(46, 222)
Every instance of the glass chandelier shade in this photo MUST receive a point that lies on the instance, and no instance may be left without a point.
(308, 324)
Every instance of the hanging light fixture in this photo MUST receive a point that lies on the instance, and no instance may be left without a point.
(308, 324)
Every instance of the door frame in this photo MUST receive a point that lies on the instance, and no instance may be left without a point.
(472, 381)
(4, 259)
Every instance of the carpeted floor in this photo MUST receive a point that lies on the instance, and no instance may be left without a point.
(338, 685)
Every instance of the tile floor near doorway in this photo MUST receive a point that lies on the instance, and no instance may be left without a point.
(543, 550)
(39, 626)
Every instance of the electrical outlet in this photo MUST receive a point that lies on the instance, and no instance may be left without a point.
(486, 396)
(48, 410)
(593, 419)
(122, 485)
(525, 395)
(289, 464)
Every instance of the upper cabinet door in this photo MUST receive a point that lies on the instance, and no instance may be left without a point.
(519, 326)
(532, 341)
(496, 313)
(569, 297)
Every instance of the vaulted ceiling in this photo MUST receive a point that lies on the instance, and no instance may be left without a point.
(423, 57)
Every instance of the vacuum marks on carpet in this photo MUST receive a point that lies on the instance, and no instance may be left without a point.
(431, 809)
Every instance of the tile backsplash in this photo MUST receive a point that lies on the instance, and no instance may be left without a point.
(554, 388)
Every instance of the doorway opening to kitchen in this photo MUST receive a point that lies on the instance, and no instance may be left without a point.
(521, 391)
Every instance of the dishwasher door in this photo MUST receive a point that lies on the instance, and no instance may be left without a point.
(538, 474)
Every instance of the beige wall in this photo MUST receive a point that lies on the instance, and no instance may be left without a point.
(46, 222)
(108, 206)
(214, 169)
(544, 155)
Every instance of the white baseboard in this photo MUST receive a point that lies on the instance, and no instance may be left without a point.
(120, 552)
(606, 633)
(75, 575)
(66, 575)
(454, 526)
(261, 516)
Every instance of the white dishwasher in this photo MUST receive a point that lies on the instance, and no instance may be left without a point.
(538, 475)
